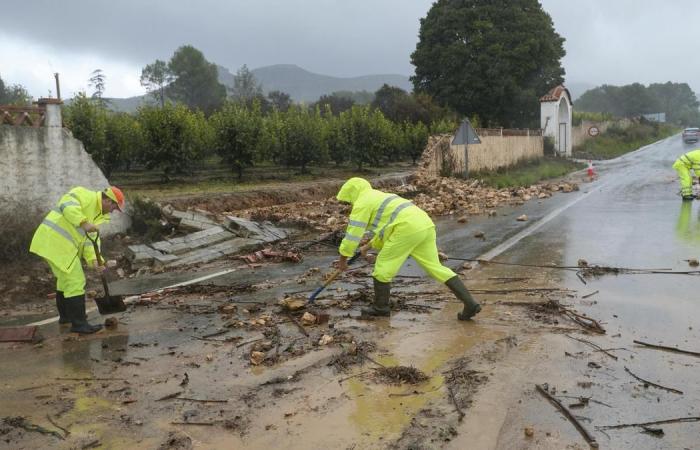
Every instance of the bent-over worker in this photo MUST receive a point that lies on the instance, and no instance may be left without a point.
(683, 165)
(61, 240)
(400, 229)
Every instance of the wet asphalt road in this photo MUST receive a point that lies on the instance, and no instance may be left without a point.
(633, 217)
(630, 217)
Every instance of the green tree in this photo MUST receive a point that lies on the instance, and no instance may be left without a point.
(370, 137)
(125, 142)
(304, 138)
(279, 100)
(238, 135)
(14, 94)
(245, 86)
(415, 138)
(337, 103)
(337, 136)
(494, 58)
(98, 81)
(87, 120)
(195, 80)
(155, 78)
(173, 138)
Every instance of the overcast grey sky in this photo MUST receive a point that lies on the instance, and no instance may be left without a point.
(607, 41)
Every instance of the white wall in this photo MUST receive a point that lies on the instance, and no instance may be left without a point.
(39, 165)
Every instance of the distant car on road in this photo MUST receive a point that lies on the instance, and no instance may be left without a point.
(691, 135)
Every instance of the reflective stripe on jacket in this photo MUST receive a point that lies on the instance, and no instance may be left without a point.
(59, 238)
(377, 212)
(691, 160)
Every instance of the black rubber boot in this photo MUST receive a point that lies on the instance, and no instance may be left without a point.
(471, 307)
(63, 318)
(380, 307)
(75, 306)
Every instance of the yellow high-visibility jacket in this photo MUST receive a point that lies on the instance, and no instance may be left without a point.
(59, 238)
(691, 160)
(376, 212)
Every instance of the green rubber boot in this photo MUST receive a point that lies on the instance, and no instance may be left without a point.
(75, 307)
(380, 307)
(471, 307)
(63, 318)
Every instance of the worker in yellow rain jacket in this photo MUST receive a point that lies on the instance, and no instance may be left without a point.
(61, 240)
(399, 230)
(683, 165)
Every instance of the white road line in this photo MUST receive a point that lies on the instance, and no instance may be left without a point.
(184, 283)
(502, 247)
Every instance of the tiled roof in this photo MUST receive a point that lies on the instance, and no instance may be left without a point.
(555, 94)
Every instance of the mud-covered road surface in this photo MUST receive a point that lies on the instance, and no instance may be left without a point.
(220, 365)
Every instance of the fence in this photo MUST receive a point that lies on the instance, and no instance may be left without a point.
(32, 116)
(499, 148)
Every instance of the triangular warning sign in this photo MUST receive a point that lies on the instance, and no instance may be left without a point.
(466, 134)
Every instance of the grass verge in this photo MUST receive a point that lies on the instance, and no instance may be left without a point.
(529, 172)
(617, 141)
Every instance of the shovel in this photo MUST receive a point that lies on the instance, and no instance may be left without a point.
(333, 276)
(109, 304)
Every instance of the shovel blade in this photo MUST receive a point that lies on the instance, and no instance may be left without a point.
(110, 305)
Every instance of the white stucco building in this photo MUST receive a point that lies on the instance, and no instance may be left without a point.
(555, 118)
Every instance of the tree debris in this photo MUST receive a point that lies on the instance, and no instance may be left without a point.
(401, 374)
(581, 429)
(655, 422)
(649, 383)
(669, 349)
(21, 422)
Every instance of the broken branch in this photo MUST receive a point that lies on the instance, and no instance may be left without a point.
(647, 382)
(21, 422)
(66, 432)
(668, 349)
(298, 325)
(595, 346)
(169, 396)
(643, 424)
(581, 429)
(200, 400)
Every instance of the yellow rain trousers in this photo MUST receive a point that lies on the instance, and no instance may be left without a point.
(683, 165)
(61, 241)
(399, 229)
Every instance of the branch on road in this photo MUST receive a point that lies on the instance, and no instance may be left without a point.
(668, 349)
(581, 429)
(647, 382)
(643, 424)
(593, 345)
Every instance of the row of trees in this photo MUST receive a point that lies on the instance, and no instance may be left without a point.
(173, 138)
(677, 100)
(13, 94)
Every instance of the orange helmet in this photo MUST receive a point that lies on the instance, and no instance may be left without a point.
(116, 195)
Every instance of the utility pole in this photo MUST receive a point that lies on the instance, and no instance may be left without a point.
(58, 86)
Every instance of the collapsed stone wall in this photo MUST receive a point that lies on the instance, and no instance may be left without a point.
(440, 158)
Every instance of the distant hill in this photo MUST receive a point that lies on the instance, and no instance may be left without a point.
(306, 86)
(300, 84)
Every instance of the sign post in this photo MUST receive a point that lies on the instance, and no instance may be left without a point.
(466, 135)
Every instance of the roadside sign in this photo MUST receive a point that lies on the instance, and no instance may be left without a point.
(466, 134)
(593, 131)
